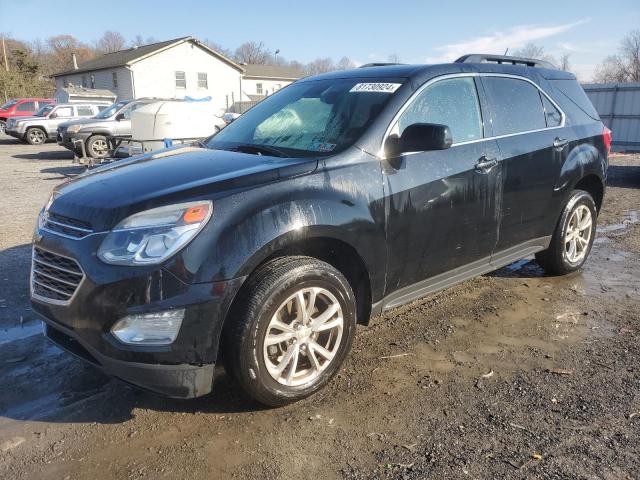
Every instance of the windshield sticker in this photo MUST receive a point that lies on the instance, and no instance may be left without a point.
(375, 87)
(322, 146)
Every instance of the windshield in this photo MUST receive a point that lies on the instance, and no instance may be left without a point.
(10, 103)
(44, 111)
(308, 118)
(113, 108)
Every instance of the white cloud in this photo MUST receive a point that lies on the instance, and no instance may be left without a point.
(498, 42)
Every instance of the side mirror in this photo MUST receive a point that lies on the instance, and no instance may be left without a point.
(119, 117)
(419, 137)
(53, 115)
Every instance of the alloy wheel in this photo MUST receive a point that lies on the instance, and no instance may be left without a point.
(578, 234)
(303, 336)
(99, 147)
(36, 136)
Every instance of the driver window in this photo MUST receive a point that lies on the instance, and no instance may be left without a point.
(453, 102)
(129, 110)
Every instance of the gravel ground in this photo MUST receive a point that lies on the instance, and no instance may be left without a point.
(510, 375)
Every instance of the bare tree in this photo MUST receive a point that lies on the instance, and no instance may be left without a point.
(531, 50)
(610, 70)
(564, 64)
(320, 65)
(111, 41)
(625, 66)
(253, 53)
(345, 63)
(139, 40)
(218, 48)
(393, 58)
(630, 52)
(62, 46)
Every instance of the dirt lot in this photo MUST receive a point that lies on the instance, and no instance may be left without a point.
(510, 375)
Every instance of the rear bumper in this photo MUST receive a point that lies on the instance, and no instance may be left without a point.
(175, 381)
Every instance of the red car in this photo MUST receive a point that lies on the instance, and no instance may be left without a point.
(21, 107)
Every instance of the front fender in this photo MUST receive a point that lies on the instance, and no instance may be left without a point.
(343, 203)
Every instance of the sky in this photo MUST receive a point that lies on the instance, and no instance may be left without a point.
(365, 31)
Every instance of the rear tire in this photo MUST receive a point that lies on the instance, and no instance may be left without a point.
(97, 146)
(291, 331)
(35, 136)
(573, 237)
(3, 126)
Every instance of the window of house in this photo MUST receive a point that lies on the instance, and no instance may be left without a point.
(26, 107)
(65, 83)
(92, 77)
(85, 111)
(515, 104)
(84, 81)
(114, 79)
(452, 102)
(181, 80)
(259, 90)
(202, 80)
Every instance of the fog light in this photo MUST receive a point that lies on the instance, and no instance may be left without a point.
(159, 328)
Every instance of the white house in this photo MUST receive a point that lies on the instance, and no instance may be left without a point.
(173, 69)
(267, 79)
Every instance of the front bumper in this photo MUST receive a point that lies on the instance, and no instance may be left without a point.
(66, 139)
(175, 381)
(183, 369)
(14, 133)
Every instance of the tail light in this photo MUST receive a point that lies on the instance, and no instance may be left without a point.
(607, 137)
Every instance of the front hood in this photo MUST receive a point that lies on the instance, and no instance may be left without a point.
(108, 194)
(83, 121)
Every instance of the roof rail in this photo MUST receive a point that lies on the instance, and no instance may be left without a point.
(379, 64)
(504, 59)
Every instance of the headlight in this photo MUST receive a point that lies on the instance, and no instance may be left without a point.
(152, 236)
(149, 328)
(74, 128)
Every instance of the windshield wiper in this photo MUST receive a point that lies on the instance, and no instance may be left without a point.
(259, 149)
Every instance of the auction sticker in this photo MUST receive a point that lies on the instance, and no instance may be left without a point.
(376, 87)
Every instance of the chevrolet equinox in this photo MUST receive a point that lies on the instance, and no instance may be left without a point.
(338, 197)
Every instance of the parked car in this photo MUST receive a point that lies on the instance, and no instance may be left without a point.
(93, 132)
(21, 107)
(341, 196)
(43, 126)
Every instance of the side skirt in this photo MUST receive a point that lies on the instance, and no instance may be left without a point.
(460, 274)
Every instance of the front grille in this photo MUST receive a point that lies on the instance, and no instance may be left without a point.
(69, 227)
(54, 278)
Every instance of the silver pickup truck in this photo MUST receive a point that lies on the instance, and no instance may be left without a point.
(44, 124)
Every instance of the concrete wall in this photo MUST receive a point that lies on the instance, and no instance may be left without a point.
(155, 75)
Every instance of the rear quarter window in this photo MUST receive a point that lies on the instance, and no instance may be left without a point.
(574, 101)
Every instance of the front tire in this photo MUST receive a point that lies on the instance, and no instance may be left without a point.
(573, 237)
(35, 136)
(97, 146)
(292, 331)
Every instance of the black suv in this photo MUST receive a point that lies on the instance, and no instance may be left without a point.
(340, 196)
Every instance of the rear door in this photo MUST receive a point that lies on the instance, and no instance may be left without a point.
(442, 204)
(528, 127)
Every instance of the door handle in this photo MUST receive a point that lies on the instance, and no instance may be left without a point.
(560, 143)
(485, 164)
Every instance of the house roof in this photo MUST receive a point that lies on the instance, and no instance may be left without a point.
(132, 55)
(272, 71)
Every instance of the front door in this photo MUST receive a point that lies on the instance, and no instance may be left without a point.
(442, 205)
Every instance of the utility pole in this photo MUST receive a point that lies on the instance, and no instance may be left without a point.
(4, 54)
